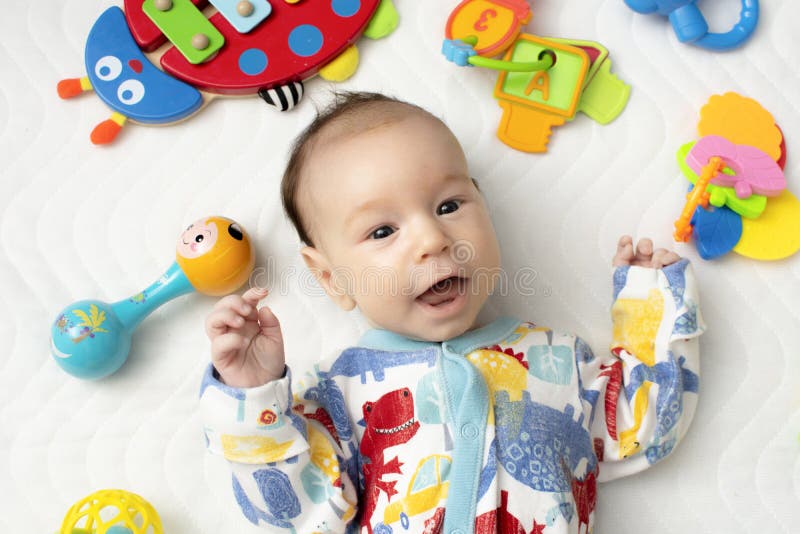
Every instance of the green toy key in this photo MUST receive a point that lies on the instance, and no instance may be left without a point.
(186, 27)
(604, 95)
(556, 90)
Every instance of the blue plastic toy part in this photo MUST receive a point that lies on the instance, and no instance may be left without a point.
(716, 231)
(91, 339)
(243, 20)
(125, 79)
(462, 53)
(458, 52)
(690, 26)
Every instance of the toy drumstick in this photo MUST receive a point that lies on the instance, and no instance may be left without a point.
(697, 197)
(91, 339)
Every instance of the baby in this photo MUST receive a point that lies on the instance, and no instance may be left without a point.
(434, 422)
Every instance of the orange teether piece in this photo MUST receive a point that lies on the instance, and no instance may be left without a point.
(742, 121)
(697, 197)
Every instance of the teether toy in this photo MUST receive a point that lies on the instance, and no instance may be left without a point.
(753, 213)
(752, 171)
(691, 27)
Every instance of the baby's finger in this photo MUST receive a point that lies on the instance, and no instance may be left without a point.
(218, 322)
(234, 302)
(624, 253)
(270, 326)
(644, 249)
(253, 295)
(223, 346)
(663, 257)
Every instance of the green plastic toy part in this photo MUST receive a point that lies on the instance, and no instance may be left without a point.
(383, 21)
(546, 59)
(186, 27)
(604, 95)
(751, 207)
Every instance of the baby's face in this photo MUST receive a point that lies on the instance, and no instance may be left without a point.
(401, 229)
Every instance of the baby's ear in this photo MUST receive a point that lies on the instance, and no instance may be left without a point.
(338, 286)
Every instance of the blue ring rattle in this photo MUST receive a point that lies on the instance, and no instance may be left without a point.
(691, 27)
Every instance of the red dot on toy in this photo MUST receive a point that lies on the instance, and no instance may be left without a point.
(136, 65)
(782, 159)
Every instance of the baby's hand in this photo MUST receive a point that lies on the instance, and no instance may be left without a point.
(644, 255)
(246, 341)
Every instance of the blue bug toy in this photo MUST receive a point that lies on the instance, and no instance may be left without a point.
(690, 25)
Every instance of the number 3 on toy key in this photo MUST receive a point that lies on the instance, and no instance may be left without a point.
(480, 24)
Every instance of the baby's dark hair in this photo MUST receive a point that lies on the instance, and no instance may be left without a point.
(353, 109)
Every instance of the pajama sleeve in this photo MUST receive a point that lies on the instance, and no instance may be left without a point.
(293, 460)
(642, 393)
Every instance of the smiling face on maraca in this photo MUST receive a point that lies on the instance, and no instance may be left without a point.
(216, 255)
(198, 239)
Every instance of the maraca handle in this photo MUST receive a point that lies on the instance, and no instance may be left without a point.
(133, 310)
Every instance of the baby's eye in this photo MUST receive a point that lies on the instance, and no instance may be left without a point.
(382, 232)
(448, 206)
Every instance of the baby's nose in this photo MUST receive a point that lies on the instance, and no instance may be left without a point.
(432, 242)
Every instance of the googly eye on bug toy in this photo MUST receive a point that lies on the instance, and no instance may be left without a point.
(691, 27)
(91, 339)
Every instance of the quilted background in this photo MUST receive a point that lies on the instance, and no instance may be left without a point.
(79, 221)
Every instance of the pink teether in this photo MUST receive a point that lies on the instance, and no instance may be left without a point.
(755, 171)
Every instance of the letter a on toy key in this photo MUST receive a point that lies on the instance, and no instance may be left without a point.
(534, 102)
(540, 82)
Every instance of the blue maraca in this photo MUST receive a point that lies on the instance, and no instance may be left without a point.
(91, 339)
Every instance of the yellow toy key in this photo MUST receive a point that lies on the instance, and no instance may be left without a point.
(533, 102)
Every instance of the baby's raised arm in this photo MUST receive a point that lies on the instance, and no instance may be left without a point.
(289, 469)
(643, 391)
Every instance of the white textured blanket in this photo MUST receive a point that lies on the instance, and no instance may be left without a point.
(79, 221)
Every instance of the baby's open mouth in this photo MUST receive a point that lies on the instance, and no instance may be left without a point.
(444, 291)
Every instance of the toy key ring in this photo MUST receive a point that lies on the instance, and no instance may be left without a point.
(691, 27)
(462, 53)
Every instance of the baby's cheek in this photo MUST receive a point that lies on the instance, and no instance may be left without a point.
(387, 311)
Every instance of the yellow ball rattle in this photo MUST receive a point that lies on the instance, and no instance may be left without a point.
(112, 511)
(91, 339)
